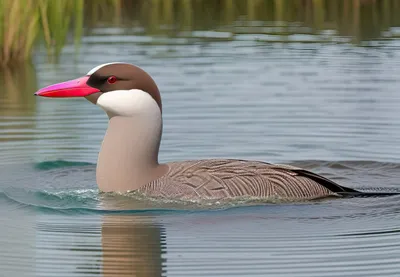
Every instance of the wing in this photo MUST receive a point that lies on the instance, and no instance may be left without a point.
(217, 178)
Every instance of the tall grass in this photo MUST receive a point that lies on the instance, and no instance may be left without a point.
(17, 37)
(24, 22)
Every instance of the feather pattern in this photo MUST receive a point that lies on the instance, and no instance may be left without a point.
(228, 178)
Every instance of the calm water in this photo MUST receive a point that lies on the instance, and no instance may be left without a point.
(329, 107)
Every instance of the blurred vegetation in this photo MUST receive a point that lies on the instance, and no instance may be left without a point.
(27, 23)
(24, 22)
(358, 19)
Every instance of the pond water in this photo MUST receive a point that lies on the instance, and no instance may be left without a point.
(328, 106)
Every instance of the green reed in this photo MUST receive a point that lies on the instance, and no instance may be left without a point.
(25, 22)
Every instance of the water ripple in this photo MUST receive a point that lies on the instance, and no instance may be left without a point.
(233, 92)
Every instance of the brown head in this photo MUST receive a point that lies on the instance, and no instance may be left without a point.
(119, 88)
(129, 152)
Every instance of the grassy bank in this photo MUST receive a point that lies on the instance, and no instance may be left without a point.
(24, 23)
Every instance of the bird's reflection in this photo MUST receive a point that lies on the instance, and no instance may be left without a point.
(131, 246)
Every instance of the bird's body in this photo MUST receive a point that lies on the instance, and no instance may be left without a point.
(229, 178)
(128, 159)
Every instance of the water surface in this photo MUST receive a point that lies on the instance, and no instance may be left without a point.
(233, 91)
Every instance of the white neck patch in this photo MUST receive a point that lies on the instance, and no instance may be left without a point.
(134, 102)
(93, 70)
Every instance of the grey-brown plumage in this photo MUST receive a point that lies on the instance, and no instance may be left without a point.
(226, 178)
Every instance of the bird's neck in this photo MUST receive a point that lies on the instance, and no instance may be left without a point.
(128, 158)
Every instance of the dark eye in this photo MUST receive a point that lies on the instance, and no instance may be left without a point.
(111, 79)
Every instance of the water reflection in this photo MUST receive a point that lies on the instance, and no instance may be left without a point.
(16, 87)
(105, 245)
(131, 247)
(17, 111)
(359, 20)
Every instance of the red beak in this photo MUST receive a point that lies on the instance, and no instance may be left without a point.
(73, 88)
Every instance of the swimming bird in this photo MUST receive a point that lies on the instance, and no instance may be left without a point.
(128, 158)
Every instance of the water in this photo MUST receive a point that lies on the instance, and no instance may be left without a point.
(326, 106)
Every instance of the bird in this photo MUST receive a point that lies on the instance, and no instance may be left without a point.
(128, 157)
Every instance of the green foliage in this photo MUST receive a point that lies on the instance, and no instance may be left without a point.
(23, 22)
(17, 36)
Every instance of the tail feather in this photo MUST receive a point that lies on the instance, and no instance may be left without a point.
(329, 184)
(368, 194)
(344, 191)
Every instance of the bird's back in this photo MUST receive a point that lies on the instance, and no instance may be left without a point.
(228, 178)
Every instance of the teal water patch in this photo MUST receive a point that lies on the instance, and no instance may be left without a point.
(58, 164)
(55, 200)
(67, 199)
